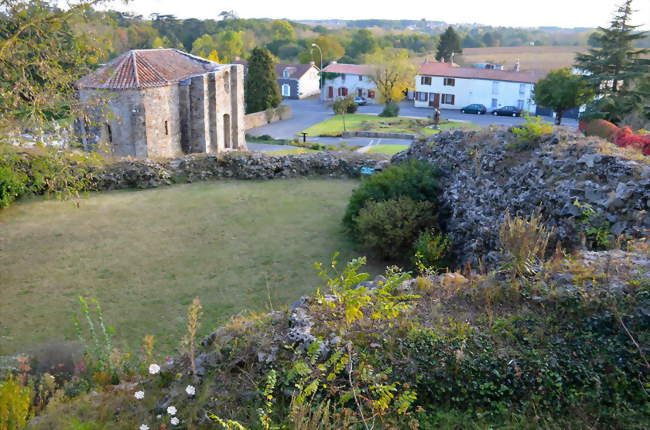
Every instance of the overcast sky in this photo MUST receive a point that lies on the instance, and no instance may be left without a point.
(514, 13)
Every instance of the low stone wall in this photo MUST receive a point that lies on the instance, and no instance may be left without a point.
(258, 119)
(378, 135)
(483, 176)
(232, 165)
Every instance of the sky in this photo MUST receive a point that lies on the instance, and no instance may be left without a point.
(512, 13)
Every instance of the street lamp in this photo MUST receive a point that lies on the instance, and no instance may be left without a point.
(320, 74)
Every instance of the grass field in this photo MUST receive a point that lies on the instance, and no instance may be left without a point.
(333, 126)
(387, 149)
(542, 58)
(238, 245)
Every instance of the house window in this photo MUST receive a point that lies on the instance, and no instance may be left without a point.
(522, 90)
(360, 92)
(495, 87)
(425, 80)
(448, 99)
(166, 128)
(420, 96)
(343, 92)
(343, 77)
(360, 77)
(495, 103)
(285, 73)
(449, 82)
(286, 90)
(371, 94)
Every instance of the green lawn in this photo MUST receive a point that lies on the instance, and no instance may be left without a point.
(387, 149)
(238, 245)
(333, 126)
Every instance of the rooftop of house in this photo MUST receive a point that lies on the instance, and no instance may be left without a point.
(349, 69)
(296, 71)
(452, 71)
(145, 68)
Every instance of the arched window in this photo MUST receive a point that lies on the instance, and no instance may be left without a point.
(286, 90)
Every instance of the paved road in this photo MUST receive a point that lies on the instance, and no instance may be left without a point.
(311, 111)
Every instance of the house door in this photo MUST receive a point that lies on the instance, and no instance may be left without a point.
(330, 92)
(434, 100)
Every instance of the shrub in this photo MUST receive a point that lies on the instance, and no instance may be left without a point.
(524, 240)
(390, 227)
(13, 184)
(415, 179)
(15, 403)
(431, 250)
(390, 110)
(626, 138)
(529, 134)
(599, 128)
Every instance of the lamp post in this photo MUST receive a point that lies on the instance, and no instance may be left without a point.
(320, 74)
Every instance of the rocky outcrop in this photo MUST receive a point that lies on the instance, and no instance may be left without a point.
(235, 165)
(483, 175)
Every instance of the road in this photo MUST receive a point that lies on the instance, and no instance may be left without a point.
(311, 111)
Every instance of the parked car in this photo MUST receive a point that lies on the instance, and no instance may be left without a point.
(474, 108)
(361, 101)
(507, 111)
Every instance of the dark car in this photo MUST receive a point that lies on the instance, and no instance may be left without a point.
(361, 101)
(507, 111)
(474, 108)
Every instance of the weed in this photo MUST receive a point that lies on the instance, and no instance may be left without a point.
(524, 240)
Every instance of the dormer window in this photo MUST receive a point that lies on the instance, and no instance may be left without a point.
(286, 73)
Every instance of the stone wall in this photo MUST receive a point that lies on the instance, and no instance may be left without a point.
(231, 165)
(482, 177)
(258, 119)
(162, 121)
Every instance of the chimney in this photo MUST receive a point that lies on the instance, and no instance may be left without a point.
(237, 58)
(517, 66)
(333, 62)
(312, 63)
(451, 60)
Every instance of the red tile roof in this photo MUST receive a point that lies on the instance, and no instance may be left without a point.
(143, 68)
(350, 69)
(448, 71)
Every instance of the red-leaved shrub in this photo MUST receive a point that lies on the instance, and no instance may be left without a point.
(626, 138)
(599, 128)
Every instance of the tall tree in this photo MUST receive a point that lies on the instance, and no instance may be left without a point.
(261, 90)
(282, 30)
(613, 62)
(229, 44)
(332, 50)
(450, 43)
(363, 42)
(393, 73)
(561, 90)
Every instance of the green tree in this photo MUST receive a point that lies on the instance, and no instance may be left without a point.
(41, 56)
(282, 30)
(449, 44)
(204, 45)
(262, 90)
(342, 106)
(332, 50)
(562, 90)
(229, 44)
(363, 42)
(393, 73)
(613, 64)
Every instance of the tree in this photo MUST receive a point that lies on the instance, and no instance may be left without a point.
(562, 90)
(613, 62)
(229, 44)
(282, 30)
(332, 50)
(41, 56)
(342, 106)
(204, 45)
(261, 90)
(449, 44)
(363, 42)
(393, 73)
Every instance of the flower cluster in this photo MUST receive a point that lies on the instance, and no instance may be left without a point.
(154, 369)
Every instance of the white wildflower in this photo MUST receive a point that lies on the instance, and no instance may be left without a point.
(144, 427)
(171, 410)
(154, 368)
(190, 390)
(175, 421)
(139, 395)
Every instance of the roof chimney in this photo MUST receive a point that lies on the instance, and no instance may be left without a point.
(517, 66)
(333, 62)
(237, 58)
(312, 63)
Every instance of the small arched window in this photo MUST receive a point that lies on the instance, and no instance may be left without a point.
(286, 90)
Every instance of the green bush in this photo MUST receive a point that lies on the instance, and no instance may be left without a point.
(13, 184)
(391, 226)
(414, 179)
(390, 110)
(529, 134)
(431, 250)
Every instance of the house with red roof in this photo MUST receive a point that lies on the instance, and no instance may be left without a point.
(448, 86)
(163, 103)
(342, 80)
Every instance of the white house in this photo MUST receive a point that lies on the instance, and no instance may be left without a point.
(348, 79)
(447, 86)
(297, 81)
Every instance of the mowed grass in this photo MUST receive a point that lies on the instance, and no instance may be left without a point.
(387, 149)
(333, 126)
(238, 245)
(541, 58)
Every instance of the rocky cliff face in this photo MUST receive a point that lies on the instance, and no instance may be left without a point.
(483, 176)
